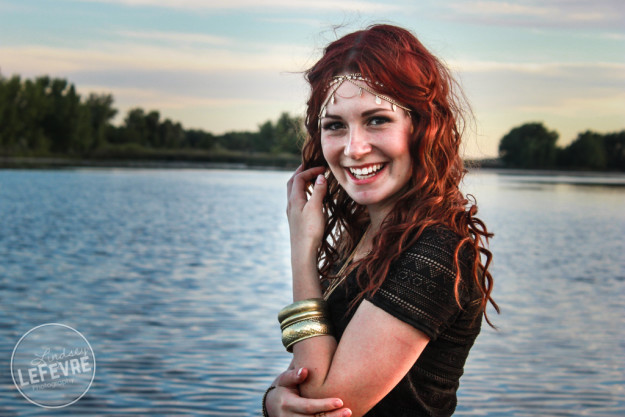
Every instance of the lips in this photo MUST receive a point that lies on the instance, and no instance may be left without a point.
(365, 172)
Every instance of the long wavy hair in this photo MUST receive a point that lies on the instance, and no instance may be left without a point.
(410, 74)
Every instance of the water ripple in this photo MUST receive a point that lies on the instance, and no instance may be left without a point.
(175, 278)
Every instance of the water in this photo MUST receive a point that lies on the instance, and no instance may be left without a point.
(175, 278)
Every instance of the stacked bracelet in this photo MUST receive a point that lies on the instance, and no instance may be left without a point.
(303, 320)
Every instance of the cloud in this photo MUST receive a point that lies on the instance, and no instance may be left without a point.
(153, 98)
(143, 56)
(610, 103)
(176, 37)
(545, 68)
(362, 6)
(498, 8)
(599, 14)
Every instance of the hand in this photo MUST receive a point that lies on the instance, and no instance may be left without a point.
(306, 217)
(285, 401)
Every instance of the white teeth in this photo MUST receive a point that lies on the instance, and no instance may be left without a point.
(367, 172)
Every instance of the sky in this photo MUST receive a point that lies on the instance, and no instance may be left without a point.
(234, 64)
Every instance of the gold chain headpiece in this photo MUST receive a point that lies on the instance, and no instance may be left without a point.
(338, 80)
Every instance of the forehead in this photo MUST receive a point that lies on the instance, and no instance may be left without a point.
(354, 94)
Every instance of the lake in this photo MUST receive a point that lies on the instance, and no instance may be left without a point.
(175, 277)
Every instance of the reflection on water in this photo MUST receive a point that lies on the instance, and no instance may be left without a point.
(175, 278)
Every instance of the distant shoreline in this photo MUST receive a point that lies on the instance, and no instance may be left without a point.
(286, 164)
(68, 163)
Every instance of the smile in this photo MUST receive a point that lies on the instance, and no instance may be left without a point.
(366, 172)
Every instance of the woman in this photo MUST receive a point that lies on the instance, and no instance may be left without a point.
(388, 327)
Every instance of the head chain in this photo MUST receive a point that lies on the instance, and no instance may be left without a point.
(338, 80)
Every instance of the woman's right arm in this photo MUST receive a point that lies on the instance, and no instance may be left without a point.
(285, 400)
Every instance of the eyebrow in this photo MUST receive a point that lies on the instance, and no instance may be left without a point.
(365, 113)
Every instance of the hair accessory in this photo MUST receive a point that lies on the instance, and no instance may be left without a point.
(338, 80)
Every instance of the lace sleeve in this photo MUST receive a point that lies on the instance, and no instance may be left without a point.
(419, 288)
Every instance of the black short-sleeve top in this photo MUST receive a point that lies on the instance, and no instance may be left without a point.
(419, 290)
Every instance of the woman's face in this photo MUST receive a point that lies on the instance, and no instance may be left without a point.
(366, 146)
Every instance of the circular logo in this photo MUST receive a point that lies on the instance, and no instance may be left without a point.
(53, 365)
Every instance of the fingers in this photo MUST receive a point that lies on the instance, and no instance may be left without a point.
(341, 412)
(289, 184)
(321, 187)
(297, 185)
(328, 407)
(292, 378)
(293, 404)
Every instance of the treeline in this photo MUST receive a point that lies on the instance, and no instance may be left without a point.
(47, 117)
(533, 146)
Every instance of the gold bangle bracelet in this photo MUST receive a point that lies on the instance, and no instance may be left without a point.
(305, 329)
(310, 304)
(299, 317)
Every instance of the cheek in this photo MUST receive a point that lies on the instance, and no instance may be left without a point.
(329, 152)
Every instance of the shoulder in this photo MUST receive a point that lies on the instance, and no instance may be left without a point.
(437, 235)
(421, 284)
(437, 244)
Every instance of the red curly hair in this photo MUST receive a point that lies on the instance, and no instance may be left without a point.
(411, 75)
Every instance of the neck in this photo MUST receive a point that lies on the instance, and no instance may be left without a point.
(377, 214)
(364, 246)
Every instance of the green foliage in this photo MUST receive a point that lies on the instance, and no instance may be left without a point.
(288, 134)
(198, 139)
(283, 137)
(266, 137)
(585, 152)
(533, 146)
(614, 144)
(46, 116)
(100, 112)
(529, 146)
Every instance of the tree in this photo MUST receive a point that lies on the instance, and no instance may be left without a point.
(101, 112)
(585, 152)
(22, 107)
(266, 137)
(614, 144)
(62, 118)
(288, 133)
(135, 129)
(171, 135)
(195, 138)
(152, 123)
(529, 146)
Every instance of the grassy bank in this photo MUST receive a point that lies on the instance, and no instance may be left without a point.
(140, 157)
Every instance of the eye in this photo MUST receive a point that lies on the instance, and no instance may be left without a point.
(332, 126)
(378, 120)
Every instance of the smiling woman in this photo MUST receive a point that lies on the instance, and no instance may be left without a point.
(390, 269)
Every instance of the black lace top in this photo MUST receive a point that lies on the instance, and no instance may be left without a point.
(419, 290)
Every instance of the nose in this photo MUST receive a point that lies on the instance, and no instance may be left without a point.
(357, 145)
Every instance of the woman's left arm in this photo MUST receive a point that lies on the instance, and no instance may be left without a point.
(376, 349)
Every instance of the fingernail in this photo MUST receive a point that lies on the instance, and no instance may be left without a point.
(320, 179)
(338, 404)
(299, 373)
(347, 413)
